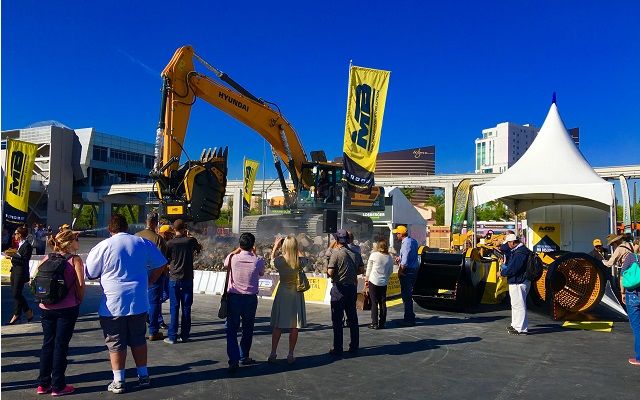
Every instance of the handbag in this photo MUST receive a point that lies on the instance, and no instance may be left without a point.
(222, 311)
(366, 301)
(303, 282)
(631, 277)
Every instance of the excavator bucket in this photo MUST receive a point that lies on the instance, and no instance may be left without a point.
(196, 190)
(205, 187)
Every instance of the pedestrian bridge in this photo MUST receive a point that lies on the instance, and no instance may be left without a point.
(413, 181)
(448, 182)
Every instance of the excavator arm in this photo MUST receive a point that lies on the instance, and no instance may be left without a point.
(182, 85)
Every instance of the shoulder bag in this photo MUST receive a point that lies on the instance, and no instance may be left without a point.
(303, 282)
(631, 277)
(222, 311)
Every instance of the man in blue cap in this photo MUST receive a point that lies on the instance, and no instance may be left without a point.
(343, 268)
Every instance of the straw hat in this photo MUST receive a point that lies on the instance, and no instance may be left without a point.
(612, 238)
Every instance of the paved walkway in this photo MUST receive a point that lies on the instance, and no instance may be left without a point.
(446, 356)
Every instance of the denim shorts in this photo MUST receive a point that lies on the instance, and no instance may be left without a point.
(120, 332)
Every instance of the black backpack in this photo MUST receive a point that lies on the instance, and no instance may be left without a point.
(534, 267)
(49, 286)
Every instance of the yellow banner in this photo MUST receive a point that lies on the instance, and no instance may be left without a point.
(21, 157)
(317, 290)
(365, 110)
(546, 238)
(250, 173)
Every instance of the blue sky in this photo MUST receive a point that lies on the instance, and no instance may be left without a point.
(456, 68)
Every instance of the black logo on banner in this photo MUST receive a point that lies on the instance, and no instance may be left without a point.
(362, 137)
(247, 177)
(17, 166)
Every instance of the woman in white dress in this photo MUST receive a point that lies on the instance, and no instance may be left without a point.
(288, 311)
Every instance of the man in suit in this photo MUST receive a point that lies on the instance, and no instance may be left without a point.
(20, 275)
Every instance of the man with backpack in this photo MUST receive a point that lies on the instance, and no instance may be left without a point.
(515, 270)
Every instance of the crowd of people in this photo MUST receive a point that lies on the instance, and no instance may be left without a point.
(140, 272)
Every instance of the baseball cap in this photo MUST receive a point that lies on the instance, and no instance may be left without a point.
(597, 242)
(341, 236)
(165, 228)
(400, 229)
(510, 238)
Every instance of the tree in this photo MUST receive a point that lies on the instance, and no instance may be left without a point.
(408, 192)
(494, 211)
(436, 201)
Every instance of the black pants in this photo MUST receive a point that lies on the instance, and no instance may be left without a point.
(57, 327)
(378, 296)
(347, 304)
(18, 279)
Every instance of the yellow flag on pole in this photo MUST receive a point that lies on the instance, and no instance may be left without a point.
(21, 157)
(365, 110)
(250, 173)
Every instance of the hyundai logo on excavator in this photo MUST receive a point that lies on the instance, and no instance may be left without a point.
(233, 101)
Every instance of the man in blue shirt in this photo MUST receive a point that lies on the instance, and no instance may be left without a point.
(126, 265)
(407, 273)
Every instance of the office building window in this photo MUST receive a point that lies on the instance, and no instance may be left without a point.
(100, 153)
(148, 162)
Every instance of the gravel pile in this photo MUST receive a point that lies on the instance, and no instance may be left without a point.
(215, 250)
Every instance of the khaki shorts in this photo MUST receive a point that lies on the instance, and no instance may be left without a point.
(120, 332)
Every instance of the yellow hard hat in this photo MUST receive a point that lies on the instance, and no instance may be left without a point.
(165, 228)
(597, 242)
(400, 229)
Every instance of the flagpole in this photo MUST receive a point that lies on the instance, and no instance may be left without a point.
(244, 179)
(343, 159)
(264, 174)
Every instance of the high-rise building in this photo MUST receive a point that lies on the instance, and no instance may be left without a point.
(501, 146)
(417, 161)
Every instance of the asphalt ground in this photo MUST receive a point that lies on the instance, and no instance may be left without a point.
(445, 356)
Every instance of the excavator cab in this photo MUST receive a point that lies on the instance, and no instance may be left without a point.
(324, 191)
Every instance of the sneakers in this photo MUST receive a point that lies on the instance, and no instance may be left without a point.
(144, 381)
(372, 326)
(634, 361)
(116, 387)
(247, 361)
(272, 358)
(43, 389)
(169, 341)
(233, 368)
(163, 325)
(512, 331)
(66, 390)
(156, 336)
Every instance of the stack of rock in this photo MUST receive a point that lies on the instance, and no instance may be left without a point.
(215, 250)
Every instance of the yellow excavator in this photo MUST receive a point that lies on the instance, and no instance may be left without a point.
(195, 190)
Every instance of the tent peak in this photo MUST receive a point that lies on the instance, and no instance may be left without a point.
(553, 99)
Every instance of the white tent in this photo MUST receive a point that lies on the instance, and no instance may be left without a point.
(551, 172)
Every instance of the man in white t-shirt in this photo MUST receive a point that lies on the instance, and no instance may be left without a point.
(125, 264)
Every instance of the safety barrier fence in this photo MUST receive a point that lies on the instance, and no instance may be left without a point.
(212, 282)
